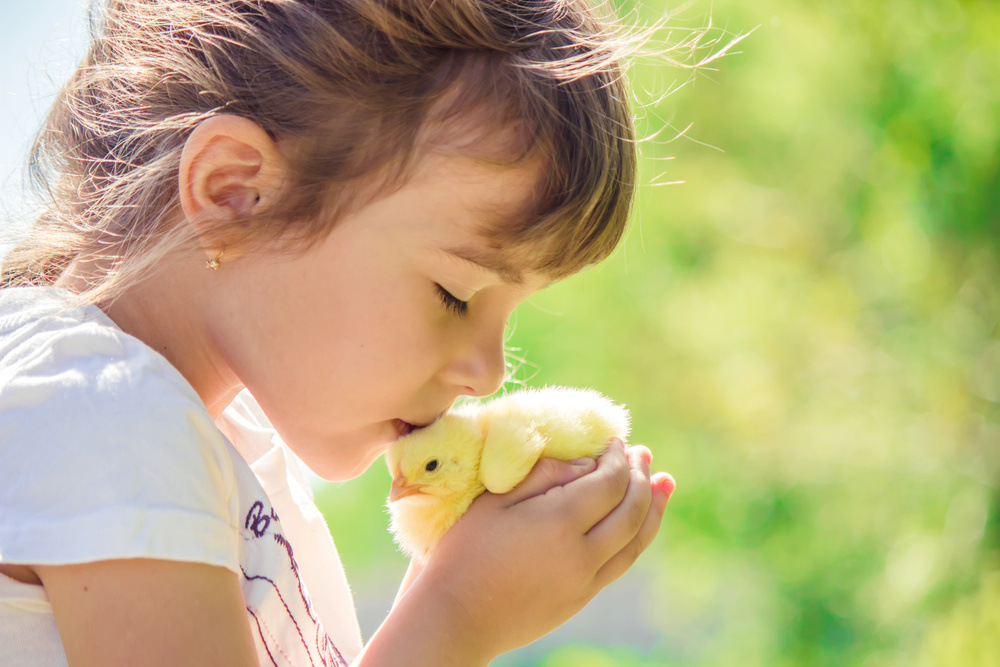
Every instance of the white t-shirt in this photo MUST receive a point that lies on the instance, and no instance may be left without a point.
(107, 452)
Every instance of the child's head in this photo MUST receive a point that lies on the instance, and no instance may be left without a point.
(410, 138)
(355, 93)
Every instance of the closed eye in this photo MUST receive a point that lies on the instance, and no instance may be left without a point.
(452, 302)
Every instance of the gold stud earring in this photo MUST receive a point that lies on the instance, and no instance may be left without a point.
(214, 264)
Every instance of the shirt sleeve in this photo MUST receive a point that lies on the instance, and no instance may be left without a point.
(107, 452)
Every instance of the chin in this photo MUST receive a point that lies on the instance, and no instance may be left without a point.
(336, 471)
(346, 457)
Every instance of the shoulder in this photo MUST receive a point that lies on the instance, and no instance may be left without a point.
(51, 346)
(104, 446)
(70, 377)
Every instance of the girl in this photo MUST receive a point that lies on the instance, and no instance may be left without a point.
(316, 215)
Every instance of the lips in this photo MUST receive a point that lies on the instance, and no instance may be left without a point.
(404, 428)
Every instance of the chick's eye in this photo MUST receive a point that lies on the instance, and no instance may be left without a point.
(452, 302)
(431, 465)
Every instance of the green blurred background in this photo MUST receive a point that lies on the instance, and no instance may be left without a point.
(805, 331)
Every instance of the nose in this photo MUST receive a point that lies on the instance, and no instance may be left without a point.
(477, 367)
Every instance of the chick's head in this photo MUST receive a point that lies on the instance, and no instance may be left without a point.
(439, 462)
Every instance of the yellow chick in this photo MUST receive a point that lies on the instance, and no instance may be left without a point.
(439, 470)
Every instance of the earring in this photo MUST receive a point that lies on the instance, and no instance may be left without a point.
(214, 264)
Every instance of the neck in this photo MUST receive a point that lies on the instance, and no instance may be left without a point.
(169, 311)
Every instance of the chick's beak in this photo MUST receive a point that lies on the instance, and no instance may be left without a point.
(401, 488)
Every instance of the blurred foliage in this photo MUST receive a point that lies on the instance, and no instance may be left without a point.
(806, 332)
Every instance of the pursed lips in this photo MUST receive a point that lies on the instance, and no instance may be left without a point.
(404, 427)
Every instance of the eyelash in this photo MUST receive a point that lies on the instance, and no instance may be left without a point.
(453, 303)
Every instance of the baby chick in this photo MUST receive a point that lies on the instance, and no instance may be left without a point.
(439, 470)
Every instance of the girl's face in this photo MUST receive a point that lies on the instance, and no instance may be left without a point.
(380, 326)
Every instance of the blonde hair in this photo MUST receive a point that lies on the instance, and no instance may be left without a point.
(346, 87)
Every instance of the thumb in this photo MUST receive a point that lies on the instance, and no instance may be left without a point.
(547, 474)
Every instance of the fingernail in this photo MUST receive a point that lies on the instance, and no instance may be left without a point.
(645, 456)
(584, 465)
(664, 483)
(618, 441)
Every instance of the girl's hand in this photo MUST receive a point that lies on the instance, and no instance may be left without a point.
(518, 565)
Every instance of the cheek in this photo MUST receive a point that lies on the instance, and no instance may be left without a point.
(328, 346)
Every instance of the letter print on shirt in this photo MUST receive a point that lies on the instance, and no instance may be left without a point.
(287, 630)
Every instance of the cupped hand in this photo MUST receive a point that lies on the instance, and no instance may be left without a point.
(520, 564)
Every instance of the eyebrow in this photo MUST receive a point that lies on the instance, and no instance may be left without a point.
(491, 261)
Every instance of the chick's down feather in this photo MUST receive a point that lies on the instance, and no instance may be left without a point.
(439, 470)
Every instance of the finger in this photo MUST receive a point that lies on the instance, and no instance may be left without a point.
(622, 524)
(592, 497)
(663, 486)
(547, 474)
(639, 456)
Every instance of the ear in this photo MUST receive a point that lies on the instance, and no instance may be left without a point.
(510, 450)
(230, 168)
